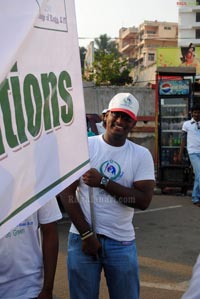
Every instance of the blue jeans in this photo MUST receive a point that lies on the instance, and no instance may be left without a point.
(195, 161)
(120, 264)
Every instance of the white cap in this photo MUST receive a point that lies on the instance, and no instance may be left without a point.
(104, 111)
(125, 102)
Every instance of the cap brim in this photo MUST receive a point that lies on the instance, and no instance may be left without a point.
(104, 111)
(131, 114)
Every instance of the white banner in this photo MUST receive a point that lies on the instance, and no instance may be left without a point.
(43, 137)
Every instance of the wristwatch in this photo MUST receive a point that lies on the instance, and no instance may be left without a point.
(104, 182)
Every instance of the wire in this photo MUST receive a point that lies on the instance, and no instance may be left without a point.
(118, 38)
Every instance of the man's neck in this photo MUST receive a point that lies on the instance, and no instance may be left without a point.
(114, 140)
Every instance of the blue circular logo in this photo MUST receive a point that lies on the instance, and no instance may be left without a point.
(166, 87)
(110, 169)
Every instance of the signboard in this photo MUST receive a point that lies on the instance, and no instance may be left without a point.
(174, 87)
(183, 56)
(43, 136)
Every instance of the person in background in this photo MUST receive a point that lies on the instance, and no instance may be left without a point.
(89, 130)
(27, 267)
(101, 207)
(101, 127)
(193, 291)
(191, 138)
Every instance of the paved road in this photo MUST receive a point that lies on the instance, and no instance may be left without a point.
(168, 242)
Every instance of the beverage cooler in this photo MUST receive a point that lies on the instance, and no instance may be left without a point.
(174, 99)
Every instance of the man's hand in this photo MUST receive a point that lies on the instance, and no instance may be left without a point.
(92, 178)
(91, 246)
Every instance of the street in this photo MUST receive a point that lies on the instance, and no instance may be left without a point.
(168, 243)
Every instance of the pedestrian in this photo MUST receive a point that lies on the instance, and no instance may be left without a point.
(193, 291)
(101, 126)
(102, 235)
(191, 139)
(27, 266)
(89, 129)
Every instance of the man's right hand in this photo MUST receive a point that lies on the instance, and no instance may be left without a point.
(91, 246)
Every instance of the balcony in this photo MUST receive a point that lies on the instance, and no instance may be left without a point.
(189, 9)
(196, 8)
(127, 48)
(129, 33)
(140, 56)
(195, 25)
(150, 35)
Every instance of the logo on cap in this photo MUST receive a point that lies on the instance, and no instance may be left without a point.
(125, 102)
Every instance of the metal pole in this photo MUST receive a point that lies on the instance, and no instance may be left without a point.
(93, 220)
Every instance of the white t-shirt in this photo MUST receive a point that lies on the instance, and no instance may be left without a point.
(193, 136)
(125, 165)
(100, 128)
(21, 263)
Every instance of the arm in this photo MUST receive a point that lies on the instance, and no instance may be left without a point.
(90, 245)
(138, 196)
(50, 254)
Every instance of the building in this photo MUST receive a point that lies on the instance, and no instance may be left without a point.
(189, 23)
(127, 43)
(140, 44)
(89, 60)
(189, 32)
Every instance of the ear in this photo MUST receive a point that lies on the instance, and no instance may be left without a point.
(106, 115)
(134, 123)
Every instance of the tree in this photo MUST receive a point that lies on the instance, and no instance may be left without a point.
(109, 70)
(108, 67)
(106, 45)
(83, 51)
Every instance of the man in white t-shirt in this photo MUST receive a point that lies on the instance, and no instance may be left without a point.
(102, 235)
(27, 267)
(191, 138)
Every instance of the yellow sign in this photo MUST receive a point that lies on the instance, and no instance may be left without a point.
(183, 56)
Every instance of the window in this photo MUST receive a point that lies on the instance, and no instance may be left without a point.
(167, 28)
(198, 17)
(198, 33)
(151, 56)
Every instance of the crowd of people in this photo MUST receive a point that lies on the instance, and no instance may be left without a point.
(101, 207)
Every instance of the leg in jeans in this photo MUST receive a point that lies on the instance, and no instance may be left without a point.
(195, 161)
(83, 271)
(121, 268)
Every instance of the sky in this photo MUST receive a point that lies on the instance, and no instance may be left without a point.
(97, 17)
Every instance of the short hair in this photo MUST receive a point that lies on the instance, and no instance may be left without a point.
(195, 107)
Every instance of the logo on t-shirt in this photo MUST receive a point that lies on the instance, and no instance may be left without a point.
(111, 169)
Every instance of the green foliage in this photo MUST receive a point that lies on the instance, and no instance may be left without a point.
(109, 70)
(106, 45)
(108, 67)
